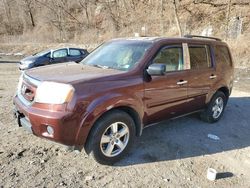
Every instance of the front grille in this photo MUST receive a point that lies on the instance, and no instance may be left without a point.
(27, 89)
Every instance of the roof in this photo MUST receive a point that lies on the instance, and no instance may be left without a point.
(186, 38)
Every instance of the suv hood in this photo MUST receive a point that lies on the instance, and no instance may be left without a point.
(69, 73)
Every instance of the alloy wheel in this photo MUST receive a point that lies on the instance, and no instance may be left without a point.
(114, 139)
(218, 107)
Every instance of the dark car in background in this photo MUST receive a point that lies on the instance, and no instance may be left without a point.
(49, 57)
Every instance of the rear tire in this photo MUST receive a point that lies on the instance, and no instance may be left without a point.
(215, 108)
(111, 137)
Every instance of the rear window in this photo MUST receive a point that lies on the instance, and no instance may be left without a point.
(222, 55)
(200, 57)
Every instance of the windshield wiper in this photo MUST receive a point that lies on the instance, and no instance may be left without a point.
(102, 66)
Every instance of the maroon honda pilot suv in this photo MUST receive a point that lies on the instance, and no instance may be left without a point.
(123, 86)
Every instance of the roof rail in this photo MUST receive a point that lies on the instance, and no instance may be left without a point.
(198, 36)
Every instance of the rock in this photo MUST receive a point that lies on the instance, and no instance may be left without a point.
(166, 179)
(63, 183)
(80, 172)
(10, 154)
(89, 178)
(76, 152)
(20, 154)
(32, 162)
(42, 161)
(13, 174)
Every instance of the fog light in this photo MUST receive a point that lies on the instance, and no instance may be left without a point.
(50, 130)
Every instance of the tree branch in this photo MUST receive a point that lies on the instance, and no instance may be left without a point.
(219, 4)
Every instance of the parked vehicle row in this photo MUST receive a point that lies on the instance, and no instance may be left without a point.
(125, 85)
(49, 57)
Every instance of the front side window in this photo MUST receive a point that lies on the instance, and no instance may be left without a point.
(60, 53)
(199, 56)
(172, 57)
(48, 55)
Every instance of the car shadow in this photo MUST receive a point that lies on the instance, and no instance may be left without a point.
(188, 136)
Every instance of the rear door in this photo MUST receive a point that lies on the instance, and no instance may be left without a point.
(75, 55)
(165, 96)
(202, 75)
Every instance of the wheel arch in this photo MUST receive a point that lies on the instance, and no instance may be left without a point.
(225, 90)
(129, 110)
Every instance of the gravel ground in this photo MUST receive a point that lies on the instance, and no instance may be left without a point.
(176, 153)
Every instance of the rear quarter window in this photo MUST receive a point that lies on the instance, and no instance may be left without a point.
(222, 55)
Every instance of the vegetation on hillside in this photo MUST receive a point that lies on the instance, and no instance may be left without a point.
(64, 20)
(94, 21)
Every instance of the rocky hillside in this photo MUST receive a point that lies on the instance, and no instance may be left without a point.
(93, 21)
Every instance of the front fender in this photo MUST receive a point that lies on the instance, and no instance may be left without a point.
(103, 104)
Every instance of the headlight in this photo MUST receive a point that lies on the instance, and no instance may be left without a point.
(27, 62)
(26, 66)
(54, 93)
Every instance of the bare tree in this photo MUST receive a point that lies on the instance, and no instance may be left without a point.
(62, 6)
(219, 4)
(64, 19)
(7, 10)
(28, 8)
(162, 26)
(85, 5)
(177, 19)
(114, 13)
(228, 17)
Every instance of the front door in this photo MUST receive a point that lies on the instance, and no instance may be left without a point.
(165, 96)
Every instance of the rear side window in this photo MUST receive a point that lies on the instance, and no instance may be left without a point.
(74, 52)
(60, 53)
(200, 57)
(172, 57)
(222, 55)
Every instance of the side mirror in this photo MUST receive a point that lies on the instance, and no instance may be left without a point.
(156, 69)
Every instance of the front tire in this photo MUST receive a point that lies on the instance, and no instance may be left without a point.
(215, 108)
(111, 137)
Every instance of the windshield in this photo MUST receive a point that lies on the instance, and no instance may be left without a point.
(119, 55)
(41, 53)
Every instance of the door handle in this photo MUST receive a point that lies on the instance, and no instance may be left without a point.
(213, 76)
(181, 82)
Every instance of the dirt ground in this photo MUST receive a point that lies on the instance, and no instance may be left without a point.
(175, 153)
